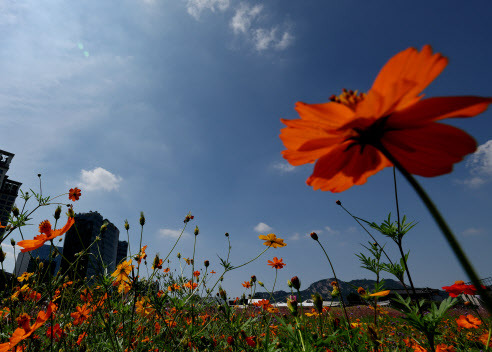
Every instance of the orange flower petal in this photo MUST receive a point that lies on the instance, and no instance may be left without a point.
(430, 150)
(413, 66)
(30, 245)
(342, 168)
(434, 109)
(380, 294)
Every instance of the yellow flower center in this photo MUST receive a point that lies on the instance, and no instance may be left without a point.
(349, 98)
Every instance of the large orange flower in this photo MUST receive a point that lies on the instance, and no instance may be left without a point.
(25, 329)
(272, 240)
(468, 322)
(46, 234)
(345, 136)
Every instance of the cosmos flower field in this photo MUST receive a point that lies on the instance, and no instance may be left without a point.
(171, 303)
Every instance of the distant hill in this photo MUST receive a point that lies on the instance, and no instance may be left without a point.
(324, 288)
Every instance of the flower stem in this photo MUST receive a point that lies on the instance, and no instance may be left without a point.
(448, 234)
(335, 275)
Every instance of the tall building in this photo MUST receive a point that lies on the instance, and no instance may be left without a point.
(122, 251)
(8, 189)
(29, 261)
(100, 255)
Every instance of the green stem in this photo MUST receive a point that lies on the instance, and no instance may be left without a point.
(448, 234)
(335, 275)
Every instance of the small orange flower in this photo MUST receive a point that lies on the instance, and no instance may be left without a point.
(46, 234)
(196, 273)
(74, 194)
(142, 254)
(246, 284)
(272, 240)
(346, 137)
(122, 271)
(468, 322)
(445, 348)
(276, 263)
(81, 314)
(166, 270)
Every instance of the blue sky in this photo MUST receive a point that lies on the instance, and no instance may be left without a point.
(174, 106)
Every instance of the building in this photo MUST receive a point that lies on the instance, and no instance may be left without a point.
(101, 256)
(121, 252)
(29, 261)
(8, 189)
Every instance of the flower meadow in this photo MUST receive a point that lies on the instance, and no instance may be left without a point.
(172, 303)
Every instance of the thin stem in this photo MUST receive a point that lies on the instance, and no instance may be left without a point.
(448, 234)
(336, 279)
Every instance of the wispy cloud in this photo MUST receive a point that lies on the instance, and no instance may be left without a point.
(295, 237)
(170, 233)
(480, 165)
(248, 22)
(331, 231)
(244, 16)
(262, 227)
(473, 231)
(283, 167)
(99, 179)
(196, 7)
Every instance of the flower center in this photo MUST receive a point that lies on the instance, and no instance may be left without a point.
(349, 98)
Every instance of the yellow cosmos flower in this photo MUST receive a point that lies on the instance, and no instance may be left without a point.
(272, 240)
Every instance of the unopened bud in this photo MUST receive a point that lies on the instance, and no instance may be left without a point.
(253, 279)
(260, 283)
(12, 242)
(179, 255)
(127, 225)
(222, 293)
(338, 202)
(70, 213)
(296, 283)
(142, 219)
(41, 265)
(227, 234)
(104, 227)
(206, 263)
(289, 283)
(197, 231)
(314, 236)
(57, 212)
(318, 302)
(292, 306)
(15, 211)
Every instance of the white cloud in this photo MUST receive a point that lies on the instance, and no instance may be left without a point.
(295, 237)
(244, 16)
(480, 164)
(285, 41)
(472, 231)
(283, 167)
(262, 227)
(196, 7)
(169, 233)
(331, 231)
(246, 22)
(99, 179)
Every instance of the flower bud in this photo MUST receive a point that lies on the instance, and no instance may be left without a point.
(292, 306)
(41, 265)
(104, 227)
(57, 212)
(222, 293)
(70, 213)
(318, 302)
(142, 219)
(289, 283)
(15, 211)
(338, 202)
(253, 279)
(314, 236)
(188, 218)
(296, 283)
(227, 234)
(261, 284)
(12, 242)
(179, 255)
(206, 263)
(197, 231)
(127, 225)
